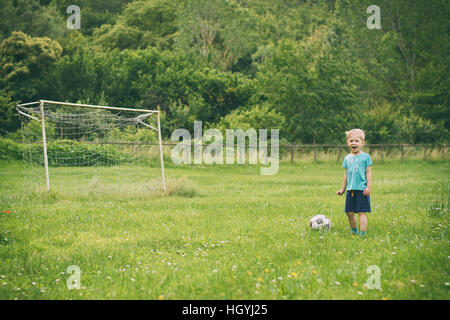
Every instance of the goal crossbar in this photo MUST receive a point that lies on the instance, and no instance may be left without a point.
(96, 107)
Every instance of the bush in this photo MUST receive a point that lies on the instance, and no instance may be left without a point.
(67, 151)
(259, 117)
(388, 123)
(181, 187)
(131, 134)
(10, 150)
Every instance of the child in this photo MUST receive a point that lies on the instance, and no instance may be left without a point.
(357, 181)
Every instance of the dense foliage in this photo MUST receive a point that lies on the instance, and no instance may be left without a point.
(311, 68)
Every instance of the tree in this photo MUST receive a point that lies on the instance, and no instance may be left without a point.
(221, 32)
(94, 13)
(32, 18)
(9, 121)
(258, 117)
(25, 63)
(314, 86)
(142, 24)
(407, 59)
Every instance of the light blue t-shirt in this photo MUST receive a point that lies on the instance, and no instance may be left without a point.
(356, 170)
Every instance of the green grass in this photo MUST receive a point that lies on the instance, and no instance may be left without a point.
(226, 232)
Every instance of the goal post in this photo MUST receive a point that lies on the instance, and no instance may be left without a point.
(93, 136)
(44, 143)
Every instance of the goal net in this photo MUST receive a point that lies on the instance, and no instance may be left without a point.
(90, 149)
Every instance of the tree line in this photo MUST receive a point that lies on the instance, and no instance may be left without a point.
(313, 69)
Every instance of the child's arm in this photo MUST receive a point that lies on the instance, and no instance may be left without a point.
(344, 185)
(366, 191)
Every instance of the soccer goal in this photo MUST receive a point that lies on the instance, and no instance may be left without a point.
(91, 148)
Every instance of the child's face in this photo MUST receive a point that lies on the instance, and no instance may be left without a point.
(355, 143)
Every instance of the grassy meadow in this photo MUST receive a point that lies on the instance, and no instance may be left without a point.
(225, 232)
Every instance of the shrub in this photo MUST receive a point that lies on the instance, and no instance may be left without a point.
(181, 187)
(67, 151)
(10, 150)
(259, 117)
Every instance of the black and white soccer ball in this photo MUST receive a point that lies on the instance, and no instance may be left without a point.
(320, 222)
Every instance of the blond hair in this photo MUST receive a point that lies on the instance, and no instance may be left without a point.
(358, 132)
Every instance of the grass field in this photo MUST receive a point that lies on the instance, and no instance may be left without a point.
(226, 232)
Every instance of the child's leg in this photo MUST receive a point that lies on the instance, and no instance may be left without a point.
(362, 222)
(352, 220)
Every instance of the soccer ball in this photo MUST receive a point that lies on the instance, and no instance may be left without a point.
(320, 222)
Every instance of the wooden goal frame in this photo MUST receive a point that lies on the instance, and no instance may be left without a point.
(44, 138)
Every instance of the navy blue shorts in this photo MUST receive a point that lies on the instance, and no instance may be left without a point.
(357, 202)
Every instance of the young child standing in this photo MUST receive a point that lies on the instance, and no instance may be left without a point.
(357, 181)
